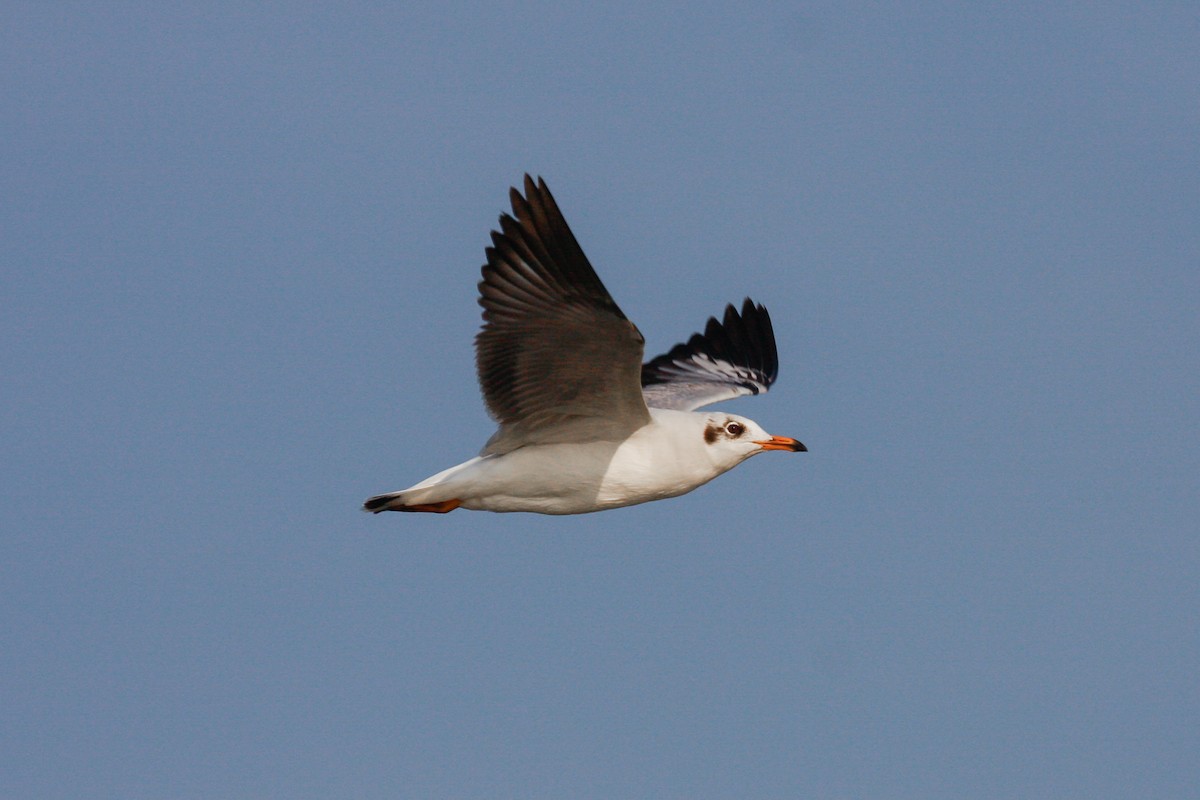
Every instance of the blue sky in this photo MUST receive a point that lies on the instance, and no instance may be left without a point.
(240, 248)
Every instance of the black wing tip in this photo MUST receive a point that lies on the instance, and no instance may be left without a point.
(523, 199)
(533, 191)
(537, 234)
(744, 339)
(756, 322)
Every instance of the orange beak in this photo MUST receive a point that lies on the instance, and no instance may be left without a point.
(782, 443)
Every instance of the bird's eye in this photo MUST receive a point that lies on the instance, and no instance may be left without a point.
(735, 428)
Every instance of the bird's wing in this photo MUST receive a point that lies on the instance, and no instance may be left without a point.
(557, 360)
(731, 358)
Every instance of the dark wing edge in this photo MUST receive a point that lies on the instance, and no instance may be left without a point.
(547, 313)
(733, 357)
(536, 257)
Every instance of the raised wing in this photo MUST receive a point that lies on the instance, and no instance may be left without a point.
(731, 358)
(557, 360)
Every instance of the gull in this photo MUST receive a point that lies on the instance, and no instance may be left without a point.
(584, 425)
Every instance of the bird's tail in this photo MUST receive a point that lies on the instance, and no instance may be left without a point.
(395, 501)
(436, 494)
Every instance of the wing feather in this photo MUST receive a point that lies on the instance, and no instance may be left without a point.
(556, 357)
(733, 357)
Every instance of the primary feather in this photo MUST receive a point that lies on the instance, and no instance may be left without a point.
(730, 359)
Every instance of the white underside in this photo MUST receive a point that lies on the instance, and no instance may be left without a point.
(665, 458)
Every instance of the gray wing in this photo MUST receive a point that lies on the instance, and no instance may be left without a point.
(730, 359)
(557, 360)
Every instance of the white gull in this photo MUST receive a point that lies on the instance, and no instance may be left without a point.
(584, 424)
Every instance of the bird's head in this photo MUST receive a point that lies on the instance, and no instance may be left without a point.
(731, 439)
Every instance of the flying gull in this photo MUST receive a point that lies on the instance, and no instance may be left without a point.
(584, 425)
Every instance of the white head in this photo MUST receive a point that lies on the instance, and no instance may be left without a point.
(730, 439)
